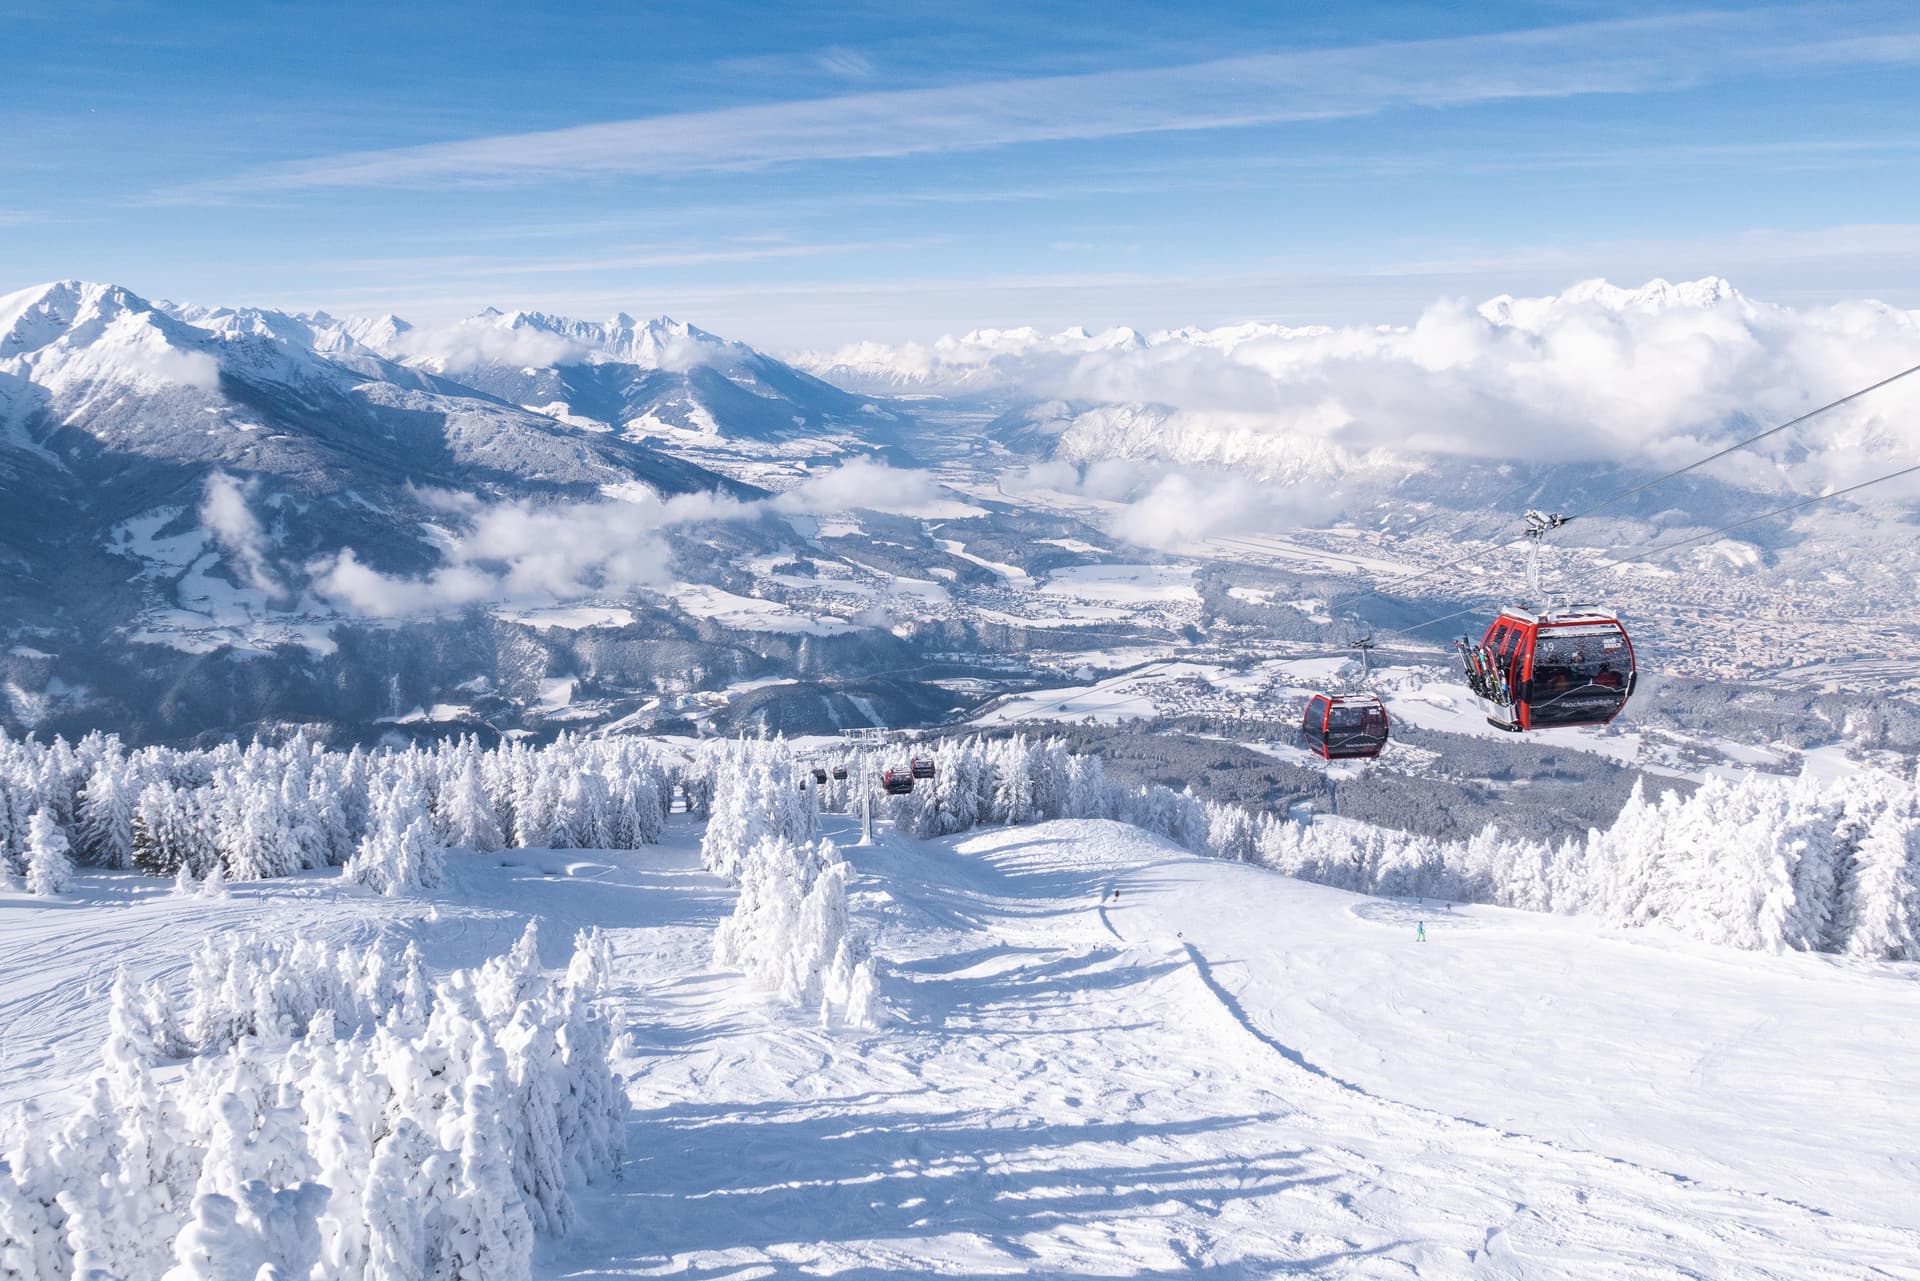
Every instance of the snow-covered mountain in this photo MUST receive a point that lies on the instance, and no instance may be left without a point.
(1149, 433)
(988, 360)
(215, 516)
(640, 378)
(178, 476)
(985, 359)
(980, 360)
(1597, 374)
(92, 376)
(655, 378)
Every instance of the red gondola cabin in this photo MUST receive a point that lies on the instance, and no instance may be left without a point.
(1345, 727)
(897, 782)
(1543, 671)
(922, 766)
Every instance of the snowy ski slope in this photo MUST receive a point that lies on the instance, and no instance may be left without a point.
(1220, 1072)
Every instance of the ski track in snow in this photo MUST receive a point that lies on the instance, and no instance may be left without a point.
(1218, 1073)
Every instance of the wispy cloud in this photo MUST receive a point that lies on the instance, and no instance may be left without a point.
(626, 258)
(1885, 242)
(1596, 58)
(848, 64)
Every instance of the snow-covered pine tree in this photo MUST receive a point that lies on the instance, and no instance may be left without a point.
(153, 1176)
(106, 815)
(1625, 878)
(167, 832)
(579, 818)
(535, 807)
(49, 867)
(1012, 780)
(215, 1245)
(97, 1229)
(468, 817)
(1885, 913)
(1051, 785)
(147, 827)
(1230, 833)
(402, 1213)
(739, 817)
(593, 1121)
(534, 1069)
(304, 825)
(401, 850)
(486, 1225)
(260, 840)
(624, 823)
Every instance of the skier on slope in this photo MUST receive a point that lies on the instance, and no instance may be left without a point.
(1420, 932)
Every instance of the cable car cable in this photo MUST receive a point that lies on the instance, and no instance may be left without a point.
(1386, 587)
(1410, 628)
(1538, 524)
(1741, 444)
(1498, 504)
(1749, 520)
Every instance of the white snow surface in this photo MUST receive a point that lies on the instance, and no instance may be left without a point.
(1219, 1072)
(751, 613)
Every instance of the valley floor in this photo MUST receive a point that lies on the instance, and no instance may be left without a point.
(1110, 1058)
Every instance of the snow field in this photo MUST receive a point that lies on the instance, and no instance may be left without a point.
(1224, 1071)
(1404, 1087)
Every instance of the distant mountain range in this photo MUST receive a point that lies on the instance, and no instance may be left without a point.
(635, 378)
(182, 487)
(116, 414)
(1597, 375)
(1034, 362)
(640, 378)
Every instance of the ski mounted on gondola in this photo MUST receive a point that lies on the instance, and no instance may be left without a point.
(1537, 671)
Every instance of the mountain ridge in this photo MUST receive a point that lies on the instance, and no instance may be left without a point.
(986, 358)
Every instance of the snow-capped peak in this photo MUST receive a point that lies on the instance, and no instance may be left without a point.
(305, 332)
(34, 317)
(659, 343)
(73, 340)
(377, 333)
(994, 357)
(1656, 295)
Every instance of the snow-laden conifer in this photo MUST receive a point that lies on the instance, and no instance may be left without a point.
(401, 850)
(401, 1147)
(469, 821)
(790, 931)
(49, 865)
(106, 809)
(1886, 890)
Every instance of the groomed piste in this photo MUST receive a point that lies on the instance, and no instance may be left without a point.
(1099, 1055)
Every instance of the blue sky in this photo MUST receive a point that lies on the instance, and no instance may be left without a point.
(805, 175)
